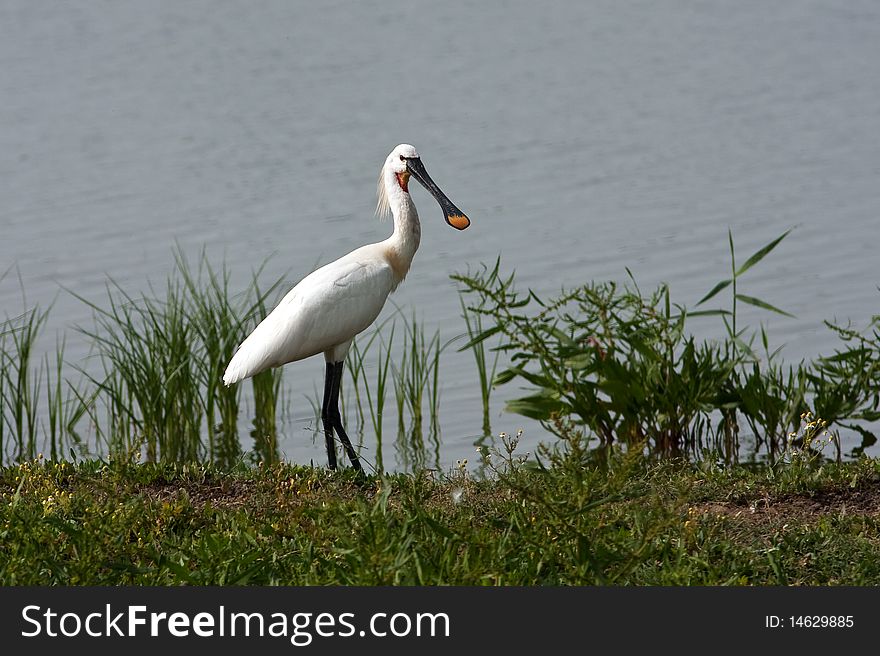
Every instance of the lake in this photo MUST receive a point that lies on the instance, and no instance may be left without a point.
(581, 138)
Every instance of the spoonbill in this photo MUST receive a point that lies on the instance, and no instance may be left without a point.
(327, 308)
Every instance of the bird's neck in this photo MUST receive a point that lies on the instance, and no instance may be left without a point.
(401, 246)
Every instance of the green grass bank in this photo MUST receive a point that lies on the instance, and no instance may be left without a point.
(579, 519)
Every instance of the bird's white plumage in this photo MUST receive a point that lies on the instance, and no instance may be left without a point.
(331, 305)
(325, 310)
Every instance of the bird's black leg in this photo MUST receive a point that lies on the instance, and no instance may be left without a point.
(336, 419)
(326, 415)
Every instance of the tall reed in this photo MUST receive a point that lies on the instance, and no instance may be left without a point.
(221, 321)
(476, 343)
(619, 362)
(415, 379)
(217, 326)
(373, 396)
(22, 379)
(162, 360)
(143, 345)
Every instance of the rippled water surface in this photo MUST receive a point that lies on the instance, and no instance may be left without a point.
(580, 137)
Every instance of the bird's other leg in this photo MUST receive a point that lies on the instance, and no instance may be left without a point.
(326, 417)
(336, 418)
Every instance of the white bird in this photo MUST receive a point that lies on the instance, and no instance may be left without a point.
(331, 305)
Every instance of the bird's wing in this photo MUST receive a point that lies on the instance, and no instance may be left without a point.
(325, 309)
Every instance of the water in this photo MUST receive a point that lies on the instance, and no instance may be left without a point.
(581, 138)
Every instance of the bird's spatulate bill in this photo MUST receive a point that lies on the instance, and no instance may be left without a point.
(454, 216)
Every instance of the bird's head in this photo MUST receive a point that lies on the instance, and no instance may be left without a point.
(404, 162)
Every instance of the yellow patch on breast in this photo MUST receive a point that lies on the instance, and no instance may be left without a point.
(399, 265)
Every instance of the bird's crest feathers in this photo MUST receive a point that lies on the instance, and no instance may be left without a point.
(383, 206)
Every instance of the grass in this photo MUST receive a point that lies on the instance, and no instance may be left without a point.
(617, 376)
(582, 517)
(624, 364)
(21, 382)
(153, 382)
(374, 395)
(416, 384)
(618, 363)
(476, 344)
(412, 376)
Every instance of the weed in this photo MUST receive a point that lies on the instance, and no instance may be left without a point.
(624, 365)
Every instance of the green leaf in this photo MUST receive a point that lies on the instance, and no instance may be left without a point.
(536, 379)
(483, 336)
(177, 569)
(438, 528)
(846, 355)
(705, 313)
(717, 288)
(732, 251)
(646, 351)
(580, 361)
(757, 302)
(505, 376)
(743, 347)
(759, 254)
(564, 339)
(535, 407)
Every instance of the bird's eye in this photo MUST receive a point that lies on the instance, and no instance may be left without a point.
(402, 158)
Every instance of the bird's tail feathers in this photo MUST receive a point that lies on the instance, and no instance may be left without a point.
(243, 365)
